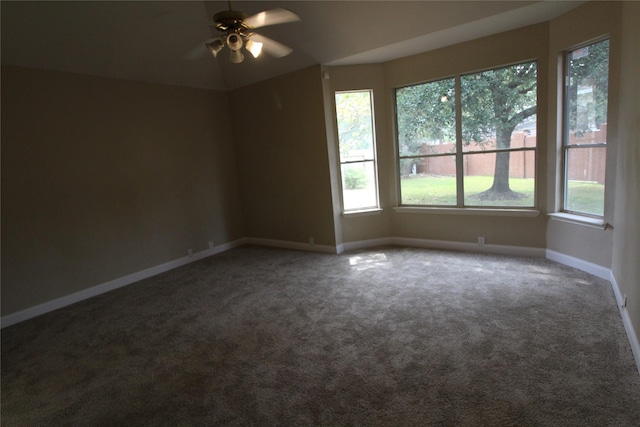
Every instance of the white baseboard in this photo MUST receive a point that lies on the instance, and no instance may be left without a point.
(84, 294)
(297, 246)
(586, 266)
(470, 247)
(445, 245)
(626, 320)
(364, 244)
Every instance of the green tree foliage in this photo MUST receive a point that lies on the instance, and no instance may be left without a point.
(355, 127)
(426, 113)
(589, 67)
(494, 102)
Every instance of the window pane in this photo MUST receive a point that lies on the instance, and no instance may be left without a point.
(499, 108)
(355, 125)
(359, 185)
(500, 179)
(587, 93)
(357, 149)
(426, 118)
(587, 76)
(585, 180)
(428, 181)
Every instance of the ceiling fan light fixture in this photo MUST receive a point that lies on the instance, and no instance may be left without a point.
(234, 41)
(254, 47)
(215, 47)
(236, 56)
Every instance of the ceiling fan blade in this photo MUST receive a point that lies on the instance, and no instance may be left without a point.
(197, 51)
(272, 47)
(271, 17)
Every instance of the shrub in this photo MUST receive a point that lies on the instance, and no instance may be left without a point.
(355, 178)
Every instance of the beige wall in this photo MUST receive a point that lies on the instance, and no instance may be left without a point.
(589, 22)
(283, 166)
(626, 234)
(102, 178)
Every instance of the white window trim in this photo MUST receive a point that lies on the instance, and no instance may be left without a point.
(368, 210)
(530, 213)
(578, 219)
(362, 212)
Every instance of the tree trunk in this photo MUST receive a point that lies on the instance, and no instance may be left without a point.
(501, 174)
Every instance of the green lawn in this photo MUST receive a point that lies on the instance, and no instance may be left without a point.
(587, 197)
(434, 190)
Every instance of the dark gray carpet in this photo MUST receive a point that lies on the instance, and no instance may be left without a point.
(391, 336)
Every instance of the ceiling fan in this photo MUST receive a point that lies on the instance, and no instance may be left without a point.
(238, 31)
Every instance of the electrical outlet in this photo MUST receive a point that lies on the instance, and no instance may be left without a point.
(311, 241)
(481, 240)
(190, 252)
(210, 244)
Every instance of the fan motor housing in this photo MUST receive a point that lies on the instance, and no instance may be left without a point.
(230, 20)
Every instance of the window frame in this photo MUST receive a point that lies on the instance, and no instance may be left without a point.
(374, 160)
(460, 153)
(589, 218)
(399, 157)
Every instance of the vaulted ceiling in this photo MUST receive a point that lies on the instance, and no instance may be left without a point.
(154, 40)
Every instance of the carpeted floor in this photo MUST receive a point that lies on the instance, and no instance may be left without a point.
(390, 336)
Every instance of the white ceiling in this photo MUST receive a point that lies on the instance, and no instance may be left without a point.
(152, 40)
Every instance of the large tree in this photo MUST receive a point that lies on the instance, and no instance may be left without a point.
(493, 104)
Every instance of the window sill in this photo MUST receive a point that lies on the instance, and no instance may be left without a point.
(598, 223)
(531, 213)
(363, 212)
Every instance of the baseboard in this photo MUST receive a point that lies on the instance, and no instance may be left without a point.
(297, 246)
(364, 244)
(626, 321)
(470, 247)
(586, 266)
(55, 304)
(445, 245)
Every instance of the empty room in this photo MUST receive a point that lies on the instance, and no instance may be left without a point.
(320, 213)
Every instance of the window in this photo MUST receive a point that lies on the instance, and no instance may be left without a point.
(585, 129)
(354, 112)
(469, 140)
